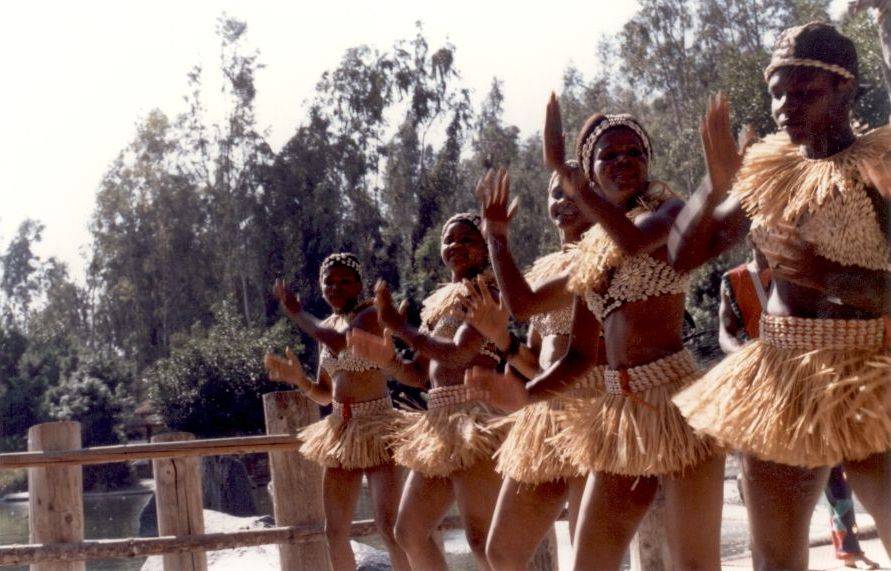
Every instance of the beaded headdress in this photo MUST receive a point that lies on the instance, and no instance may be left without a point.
(586, 146)
(469, 217)
(818, 45)
(341, 259)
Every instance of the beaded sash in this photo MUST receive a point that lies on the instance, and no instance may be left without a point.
(374, 407)
(808, 334)
(643, 377)
(441, 397)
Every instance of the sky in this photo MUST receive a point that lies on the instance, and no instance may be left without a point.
(80, 75)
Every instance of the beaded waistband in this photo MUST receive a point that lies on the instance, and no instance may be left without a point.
(643, 377)
(804, 333)
(592, 381)
(440, 397)
(365, 408)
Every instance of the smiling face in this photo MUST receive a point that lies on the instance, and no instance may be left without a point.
(463, 249)
(563, 210)
(620, 165)
(341, 287)
(807, 102)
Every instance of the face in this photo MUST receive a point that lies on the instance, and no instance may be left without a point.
(463, 249)
(620, 165)
(805, 102)
(562, 209)
(340, 287)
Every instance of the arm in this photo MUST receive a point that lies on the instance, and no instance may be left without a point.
(308, 323)
(712, 221)
(519, 297)
(288, 369)
(729, 325)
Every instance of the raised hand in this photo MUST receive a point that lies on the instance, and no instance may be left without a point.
(290, 303)
(378, 350)
(493, 192)
(286, 369)
(486, 315)
(388, 315)
(503, 391)
(723, 158)
(553, 145)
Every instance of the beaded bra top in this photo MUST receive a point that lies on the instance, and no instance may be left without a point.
(825, 199)
(439, 308)
(559, 321)
(346, 360)
(607, 279)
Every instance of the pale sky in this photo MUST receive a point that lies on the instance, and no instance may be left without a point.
(80, 75)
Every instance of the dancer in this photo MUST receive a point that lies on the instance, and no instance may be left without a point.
(354, 440)
(631, 435)
(743, 299)
(449, 448)
(812, 391)
(539, 478)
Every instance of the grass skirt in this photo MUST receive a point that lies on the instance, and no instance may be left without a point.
(809, 392)
(529, 454)
(632, 428)
(452, 435)
(353, 437)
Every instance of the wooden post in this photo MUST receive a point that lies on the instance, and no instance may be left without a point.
(649, 548)
(178, 498)
(296, 482)
(55, 495)
(545, 558)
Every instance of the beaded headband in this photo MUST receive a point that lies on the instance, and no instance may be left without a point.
(341, 259)
(611, 122)
(468, 217)
(802, 62)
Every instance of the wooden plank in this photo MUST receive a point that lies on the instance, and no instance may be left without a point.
(130, 452)
(146, 546)
(56, 504)
(178, 498)
(296, 482)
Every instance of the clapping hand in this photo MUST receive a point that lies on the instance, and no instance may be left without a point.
(290, 303)
(286, 369)
(389, 316)
(378, 350)
(493, 193)
(486, 315)
(723, 154)
(503, 391)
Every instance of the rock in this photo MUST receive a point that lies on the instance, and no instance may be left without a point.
(227, 486)
(370, 559)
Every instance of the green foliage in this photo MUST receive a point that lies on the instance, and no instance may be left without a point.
(212, 384)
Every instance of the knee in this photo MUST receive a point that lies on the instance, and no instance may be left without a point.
(476, 539)
(410, 537)
(501, 556)
(386, 527)
(337, 533)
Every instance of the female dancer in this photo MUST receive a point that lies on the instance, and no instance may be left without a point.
(812, 391)
(448, 448)
(353, 440)
(538, 477)
(631, 435)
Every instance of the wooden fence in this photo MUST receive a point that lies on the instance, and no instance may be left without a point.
(56, 516)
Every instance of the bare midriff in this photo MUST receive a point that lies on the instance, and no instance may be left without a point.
(640, 332)
(359, 386)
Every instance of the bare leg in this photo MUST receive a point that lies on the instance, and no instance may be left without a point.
(425, 502)
(611, 510)
(385, 482)
(523, 516)
(476, 490)
(695, 544)
(780, 500)
(871, 481)
(575, 489)
(341, 492)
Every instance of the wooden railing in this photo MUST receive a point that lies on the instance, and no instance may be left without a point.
(55, 497)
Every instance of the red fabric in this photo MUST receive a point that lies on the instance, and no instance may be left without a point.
(746, 297)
